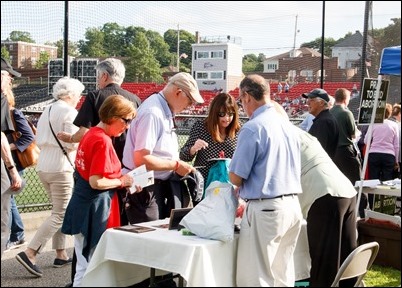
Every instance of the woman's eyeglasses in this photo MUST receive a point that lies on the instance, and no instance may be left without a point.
(126, 121)
(223, 114)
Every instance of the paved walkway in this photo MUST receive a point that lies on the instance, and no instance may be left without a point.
(13, 274)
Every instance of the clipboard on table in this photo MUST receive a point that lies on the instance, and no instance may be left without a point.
(135, 228)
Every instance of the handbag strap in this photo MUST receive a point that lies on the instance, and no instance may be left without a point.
(16, 134)
(58, 142)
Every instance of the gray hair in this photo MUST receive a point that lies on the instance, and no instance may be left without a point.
(67, 87)
(114, 68)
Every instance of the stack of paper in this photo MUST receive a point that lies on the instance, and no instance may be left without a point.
(142, 177)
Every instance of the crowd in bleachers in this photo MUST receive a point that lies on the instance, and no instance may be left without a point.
(290, 98)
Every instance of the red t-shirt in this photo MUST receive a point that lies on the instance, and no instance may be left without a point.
(96, 156)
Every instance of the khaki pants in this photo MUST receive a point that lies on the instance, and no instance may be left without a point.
(58, 186)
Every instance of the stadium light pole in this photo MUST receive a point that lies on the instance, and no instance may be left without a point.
(178, 49)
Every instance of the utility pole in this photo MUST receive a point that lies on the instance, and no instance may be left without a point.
(294, 38)
(178, 49)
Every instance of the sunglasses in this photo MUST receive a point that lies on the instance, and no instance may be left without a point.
(223, 114)
(127, 121)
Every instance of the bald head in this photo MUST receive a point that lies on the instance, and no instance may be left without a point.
(256, 86)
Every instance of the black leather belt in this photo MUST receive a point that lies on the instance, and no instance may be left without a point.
(280, 196)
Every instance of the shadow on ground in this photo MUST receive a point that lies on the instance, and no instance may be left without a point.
(13, 274)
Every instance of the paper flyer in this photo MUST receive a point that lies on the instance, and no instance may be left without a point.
(142, 177)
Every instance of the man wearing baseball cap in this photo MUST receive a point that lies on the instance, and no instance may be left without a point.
(152, 140)
(187, 83)
(7, 67)
(325, 127)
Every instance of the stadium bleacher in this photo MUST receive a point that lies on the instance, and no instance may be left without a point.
(27, 95)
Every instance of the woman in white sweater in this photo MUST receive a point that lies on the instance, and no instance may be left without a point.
(55, 171)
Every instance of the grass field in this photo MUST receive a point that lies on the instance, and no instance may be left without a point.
(379, 276)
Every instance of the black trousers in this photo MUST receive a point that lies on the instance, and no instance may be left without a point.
(348, 161)
(156, 201)
(331, 233)
(380, 166)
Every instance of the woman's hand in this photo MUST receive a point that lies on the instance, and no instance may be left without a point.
(64, 136)
(198, 145)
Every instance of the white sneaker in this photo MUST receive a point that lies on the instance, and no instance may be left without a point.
(15, 244)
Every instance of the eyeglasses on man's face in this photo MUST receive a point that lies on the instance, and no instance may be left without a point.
(223, 114)
(192, 102)
(242, 93)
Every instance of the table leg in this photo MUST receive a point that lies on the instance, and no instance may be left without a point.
(152, 278)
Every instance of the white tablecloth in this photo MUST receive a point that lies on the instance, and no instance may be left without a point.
(123, 258)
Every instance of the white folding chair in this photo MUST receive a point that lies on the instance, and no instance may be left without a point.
(357, 264)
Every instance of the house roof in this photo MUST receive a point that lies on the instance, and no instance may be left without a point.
(303, 51)
(355, 40)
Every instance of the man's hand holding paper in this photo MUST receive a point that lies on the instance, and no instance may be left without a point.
(142, 178)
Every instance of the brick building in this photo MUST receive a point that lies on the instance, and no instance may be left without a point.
(23, 55)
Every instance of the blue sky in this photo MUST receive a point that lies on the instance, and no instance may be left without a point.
(264, 26)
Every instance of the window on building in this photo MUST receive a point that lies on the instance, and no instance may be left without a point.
(202, 75)
(217, 75)
(203, 55)
(272, 66)
(217, 54)
(213, 75)
(11, 47)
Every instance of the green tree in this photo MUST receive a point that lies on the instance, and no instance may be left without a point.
(5, 54)
(250, 62)
(43, 60)
(20, 36)
(316, 45)
(186, 39)
(388, 36)
(93, 46)
(72, 48)
(113, 39)
(160, 48)
(141, 65)
(156, 42)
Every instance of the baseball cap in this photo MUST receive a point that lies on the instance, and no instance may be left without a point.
(187, 83)
(320, 93)
(7, 67)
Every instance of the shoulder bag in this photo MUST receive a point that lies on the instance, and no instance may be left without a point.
(58, 142)
(30, 155)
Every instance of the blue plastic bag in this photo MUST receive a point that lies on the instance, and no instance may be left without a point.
(218, 172)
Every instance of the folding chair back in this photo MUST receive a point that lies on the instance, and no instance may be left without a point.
(357, 263)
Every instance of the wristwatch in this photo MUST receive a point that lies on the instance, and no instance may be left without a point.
(11, 167)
